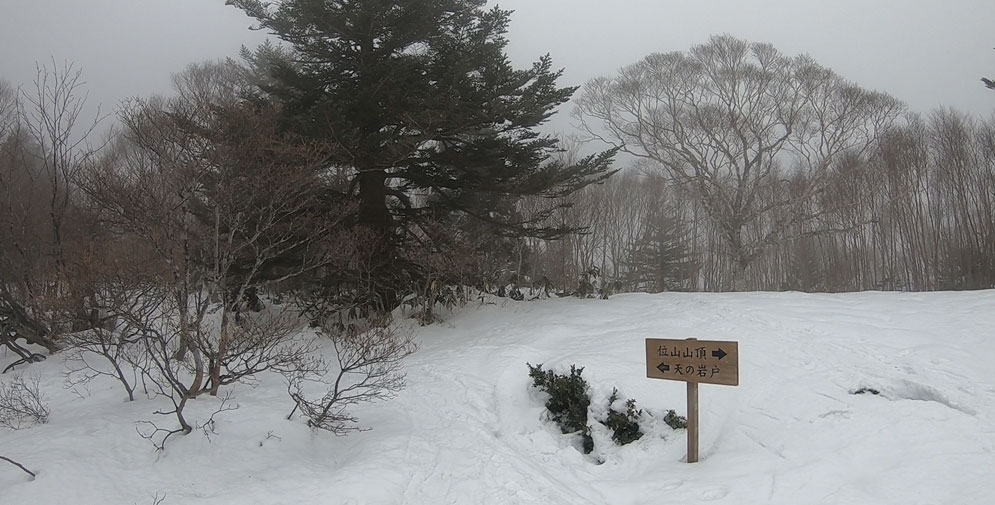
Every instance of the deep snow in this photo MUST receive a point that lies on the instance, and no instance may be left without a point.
(468, 429)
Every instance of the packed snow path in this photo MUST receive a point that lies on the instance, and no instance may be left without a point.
(469, 430)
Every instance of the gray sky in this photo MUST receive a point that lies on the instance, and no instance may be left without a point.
(926, 52)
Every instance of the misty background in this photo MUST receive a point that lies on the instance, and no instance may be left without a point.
(926, 53)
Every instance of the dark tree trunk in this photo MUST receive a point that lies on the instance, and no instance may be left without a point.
(375, 217)
(373, 202)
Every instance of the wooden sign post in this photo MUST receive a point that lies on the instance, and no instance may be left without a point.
(692, 422)
(693, 361)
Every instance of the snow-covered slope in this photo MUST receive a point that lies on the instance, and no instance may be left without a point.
(469, 430)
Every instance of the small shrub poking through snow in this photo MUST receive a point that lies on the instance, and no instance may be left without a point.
(21, 403)
(367, 368)
(568, 400)
(675, 421)
(861, 391)
(624, 425)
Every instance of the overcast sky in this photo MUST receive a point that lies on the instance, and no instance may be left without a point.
(926, 52)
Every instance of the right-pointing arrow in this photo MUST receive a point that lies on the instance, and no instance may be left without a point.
(719, 354)
(663, 367)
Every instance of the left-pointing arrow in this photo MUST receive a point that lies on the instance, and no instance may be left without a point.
(663, 367)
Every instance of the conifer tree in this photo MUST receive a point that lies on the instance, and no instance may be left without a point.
(659, 259)
(430, 115)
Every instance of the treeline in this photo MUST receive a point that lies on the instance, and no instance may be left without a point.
(751, 170)
(915, 213)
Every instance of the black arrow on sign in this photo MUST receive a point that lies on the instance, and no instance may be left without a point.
(719, 354)
(663, 367)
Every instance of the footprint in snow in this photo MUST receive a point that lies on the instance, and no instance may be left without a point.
(674, 484)
(716, 493)
(842, 414)
(908, 390)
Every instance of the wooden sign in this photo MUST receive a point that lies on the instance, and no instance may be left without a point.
(693, 361)
(701, 361)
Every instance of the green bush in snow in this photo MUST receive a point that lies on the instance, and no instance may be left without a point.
(675, 421)
(624, 425)
(568, 400)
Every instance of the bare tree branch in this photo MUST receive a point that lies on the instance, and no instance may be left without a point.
(18, 465)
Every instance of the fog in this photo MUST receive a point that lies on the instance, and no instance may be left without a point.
(926, 53)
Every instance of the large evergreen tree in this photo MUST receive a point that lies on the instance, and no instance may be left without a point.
(430, 116)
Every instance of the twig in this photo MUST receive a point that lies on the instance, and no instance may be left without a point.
(18, 465)
(156, 430)
(208, 426)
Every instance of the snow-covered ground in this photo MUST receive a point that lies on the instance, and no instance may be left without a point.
(468, 429)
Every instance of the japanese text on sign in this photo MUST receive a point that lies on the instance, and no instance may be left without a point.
(715, 362)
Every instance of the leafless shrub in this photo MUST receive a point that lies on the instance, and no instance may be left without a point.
(115, 350)
(225, 208)
(106, 346)
(447, 264)
(111, 348)
(158, 435)
(226, 405)
(267, 341)
(21, 403)
(163, 373)
(367, 368)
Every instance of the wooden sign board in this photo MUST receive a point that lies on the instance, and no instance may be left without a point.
(693, 361)
(698, 361)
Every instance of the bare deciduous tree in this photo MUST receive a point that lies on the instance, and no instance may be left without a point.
(52, 117)
(736, 122)
(225, 208)
(44, 147)
(8, 109)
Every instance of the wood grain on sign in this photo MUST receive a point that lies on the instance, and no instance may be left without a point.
(698, 361)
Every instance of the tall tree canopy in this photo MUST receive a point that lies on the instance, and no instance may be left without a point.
(429, 115)
(753, 133)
